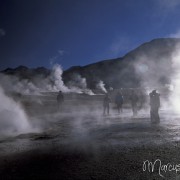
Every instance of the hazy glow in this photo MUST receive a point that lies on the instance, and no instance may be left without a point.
(175, 97)
(101, 86)
(13, 118)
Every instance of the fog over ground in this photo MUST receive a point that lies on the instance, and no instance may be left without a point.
(13, 117)
(35, 108)
(35, 133)
(20, 95)
(51, 83)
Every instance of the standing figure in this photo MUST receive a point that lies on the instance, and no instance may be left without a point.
(134, 102)
(106, 103)
(154, 104)
(119, 101)
(60, 99)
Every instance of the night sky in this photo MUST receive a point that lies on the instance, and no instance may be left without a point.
(37, 33)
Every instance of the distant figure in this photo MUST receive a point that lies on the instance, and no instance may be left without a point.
(134, 102)
(106, 103)
(155, 105)
(119, 101)
(60, 99)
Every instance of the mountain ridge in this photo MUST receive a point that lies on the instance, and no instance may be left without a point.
(127, 71)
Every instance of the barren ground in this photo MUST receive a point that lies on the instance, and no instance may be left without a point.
(80, 143)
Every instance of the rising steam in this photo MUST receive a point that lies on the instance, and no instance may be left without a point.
(175, 96)
(51, 83)
(78, 84)
(56, 78)
(101, 86)
(13, 118)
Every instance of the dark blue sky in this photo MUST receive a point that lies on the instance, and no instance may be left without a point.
(79, 32)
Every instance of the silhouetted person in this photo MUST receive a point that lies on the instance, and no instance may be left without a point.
(106, 103)
(134, 102)
(154, 104)
(60, 99)
(119, 101)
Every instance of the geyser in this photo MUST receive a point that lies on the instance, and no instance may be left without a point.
(13, 119)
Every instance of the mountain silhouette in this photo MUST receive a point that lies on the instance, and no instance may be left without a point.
(150, 64)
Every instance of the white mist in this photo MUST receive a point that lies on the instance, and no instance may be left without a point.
(13, 119)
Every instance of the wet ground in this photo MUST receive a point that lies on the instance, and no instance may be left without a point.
(79, 142)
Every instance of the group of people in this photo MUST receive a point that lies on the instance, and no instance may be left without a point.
(119, 100)
(134, 101)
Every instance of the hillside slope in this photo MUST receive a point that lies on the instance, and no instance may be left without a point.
(149, 65)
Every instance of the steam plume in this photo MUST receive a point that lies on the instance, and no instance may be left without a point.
(101, 86)
(13, 118)
(175, 97)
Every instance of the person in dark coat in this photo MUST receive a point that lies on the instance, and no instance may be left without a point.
(134, 102)
(155, 105)
(106, 103)
(60, 99)
(119, 101)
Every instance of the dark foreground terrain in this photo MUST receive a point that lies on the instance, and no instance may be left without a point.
(79, 143)
(72, 163)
